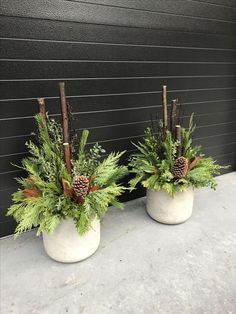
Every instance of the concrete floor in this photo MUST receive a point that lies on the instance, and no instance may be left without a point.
(141, 266)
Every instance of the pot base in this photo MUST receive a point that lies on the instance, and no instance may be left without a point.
(166, 222)
(167, 210)
(67, 246)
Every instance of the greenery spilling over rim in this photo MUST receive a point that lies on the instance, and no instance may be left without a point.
(154, 164)
(46, 194)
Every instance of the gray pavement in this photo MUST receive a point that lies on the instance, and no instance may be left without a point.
(141, 266)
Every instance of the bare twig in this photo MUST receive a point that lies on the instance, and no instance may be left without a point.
(42, 109)
(173, 116)
(65, 126)
(178, 139)
(165, 113)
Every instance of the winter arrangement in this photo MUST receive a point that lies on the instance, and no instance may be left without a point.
(169, 167)
(68, 188)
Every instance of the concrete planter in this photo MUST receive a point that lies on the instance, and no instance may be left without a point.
(67, 246)
(166, 209)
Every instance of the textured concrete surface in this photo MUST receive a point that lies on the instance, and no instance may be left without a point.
(141, 266)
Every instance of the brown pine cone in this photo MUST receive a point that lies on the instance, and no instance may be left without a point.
(180, 167)
(80, 186)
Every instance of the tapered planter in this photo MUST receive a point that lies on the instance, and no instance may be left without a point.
(67, 246)
(170, 210)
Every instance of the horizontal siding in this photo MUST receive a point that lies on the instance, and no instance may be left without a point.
(108, 15)
(114, 57)
(173, 7)
(221, 3)
(41, 29)
(107, 118)
(24, 90)
(47, 70)
(77, 51)
(14, 109)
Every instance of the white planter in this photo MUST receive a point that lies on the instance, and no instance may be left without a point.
(170, 210)
(67, 246)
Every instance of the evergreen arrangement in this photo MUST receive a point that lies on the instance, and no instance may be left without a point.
(167, 160)
(56, 188)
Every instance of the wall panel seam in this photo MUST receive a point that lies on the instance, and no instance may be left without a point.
(214, 4)
(121, 44)
(120, 109)
(152, 11)
(117, 78)
(125, 26)
(119, 94)
(115, 61)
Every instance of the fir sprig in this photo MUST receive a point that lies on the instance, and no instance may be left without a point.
(42, 202)
(152, 165)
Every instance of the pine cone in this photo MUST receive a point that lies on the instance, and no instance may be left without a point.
(80, 186)
(180, 167)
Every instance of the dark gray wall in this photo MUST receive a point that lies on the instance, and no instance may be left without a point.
(114, 55)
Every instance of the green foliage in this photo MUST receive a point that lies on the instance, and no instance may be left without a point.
(152, 164)
(108, 170)
(186, 141)
(87, 161)
(202, 174)
(144, 163)
(41, 201)
(169, 149)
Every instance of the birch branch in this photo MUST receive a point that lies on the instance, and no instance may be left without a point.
(178, 139)
(173, 116)
(42, 109)
(65, 127)
(165, 113)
